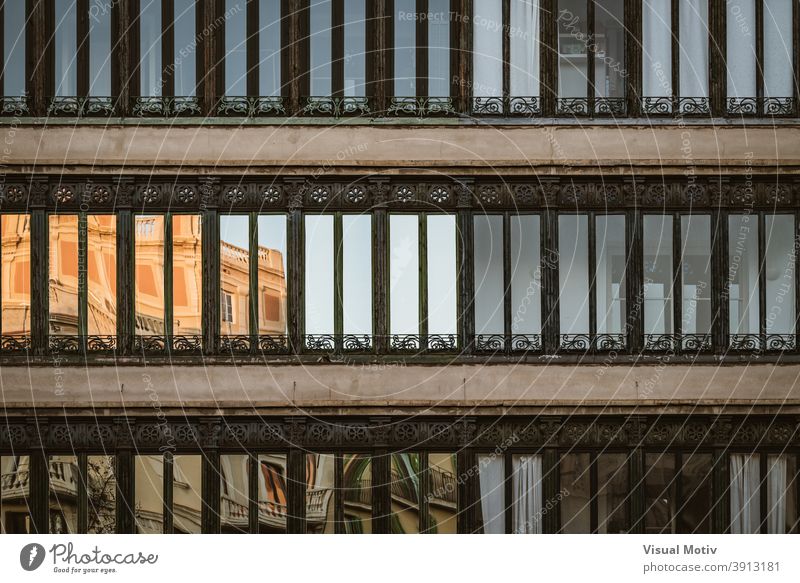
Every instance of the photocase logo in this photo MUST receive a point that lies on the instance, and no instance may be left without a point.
(31, 556)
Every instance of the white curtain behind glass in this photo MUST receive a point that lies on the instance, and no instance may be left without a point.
(490, 474)
(657, 48)
(693, 31)
(527, 487)
(776, 494)
(524, 34)
(745, 502)
(741, 48)
(487, 40)
(778, 48)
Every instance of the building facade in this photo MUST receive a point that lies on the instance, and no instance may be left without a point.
(523, 266)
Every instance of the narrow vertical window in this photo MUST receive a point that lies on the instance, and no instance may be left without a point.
(741, 55)
(234, 494)
(489, 282)
(63, 478)
(186, 494)
(609, 55)
(526, 485)
(405, 492)
(66, 47)
(657, 52)
(269, 48)
(613, 493)
(15, 231)
(693, 34)
(743, 280)
(575, 478)
(778, 55)
(272, 282)
(187, 278)
(526, 283)
(14, 56)
(63, 264)
(235, 275)
(573, 276)
(661, 498)
(610, 281)
(525, 55)
(319, 279)
(441, 280)
(101, 244)
(322, 495)
(357, 493)
(405, 48)
(101, 491)
(780, 265)
(487, 53)
(491, 481)
(355, 48)
(404, 308)
(573, 55)
(150, 38)
(149, 292)
(149, 491)
(185, 48)
(745, 476)
(100, 57)
(236, 40)
(438, 48)
(695, 277)
(321, 47)
(357, 277)
(658, 279)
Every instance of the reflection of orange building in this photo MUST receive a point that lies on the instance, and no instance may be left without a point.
(15, 231)
(101, 265)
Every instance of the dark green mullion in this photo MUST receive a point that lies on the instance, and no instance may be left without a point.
(253, 474)
(636, 496)
(296, 491)
(508, 492)
(253, 281)
(677, 280)
(338, 281)
(168, 463)
(634, 281)
(168, 281)
(83, 284)
(210, 297)
(719, 281)
(507, 331)
(762, 280)
(423, 281)
(592, 262)
(796, 529)
(762, 492)
(83, 493)
(338, 494)
(210, 492)
(468, 491)
(126, 318)
(679, 494)
(125, 474)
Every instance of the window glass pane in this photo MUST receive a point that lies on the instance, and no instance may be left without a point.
(234, 233)
(405, 52)
(491, 474)
(355, 48)
(101, 488)
(404, 274)
(235, 47)
(442, 276)
(438, 48)
(100, 48)
(63, 497)
(489, 285)
(573, 29)
(357, 273)
(187, 275)
(149, 494)
(660, 486)
(609, 58)
(66, 47)
(780, 273)
(357, 493)
(320, 54)
(320, 484)
(658, 274)
(610, 285)
(743, 274)
(101, 244)
(14, 21)
(149, 256)
(696, 274)
(745, 493)
(573, 273)
(612, 496)
(781, 499)
(657, 48)
(63, 266)
(526, 275)
(269, 46)
(185, 47)
(778, 61)
(575, 479)
(741, 48)
(272, 274)
(150, 48)
(405, 493)
(319, 274)
(234, 493)
(186, 494)
(524, 35)
(526, 485)
(272, 494)
(443, 498)
(16, 494)
(15, 231)
(694, 516)
(487, 49)
(693, 60)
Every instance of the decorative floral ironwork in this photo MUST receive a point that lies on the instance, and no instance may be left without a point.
(572, 106)
(101, 343)
(150, 343)
(696, 342)
(780, 342)
(337, 106)
(234, 195)
(656, 105)
(693, 106)
(151, 194)
(251, 106)
(490, 342)
(404, 194)
(16, 105)
(14, 343)
(421, 106)
(750, 342)
(234, 343)
(185, 194)
(60, 344)
(166, 106)
(404, 342)
(439, 194)
(81, 106)
(273, 344)
(524, 106)
(442, 342)
(64, 194)
(609, 106)
(355, 194)
(186, 343)
(661, 342)
(14, 193)
(742, 105)
(271, 194)
(319, 342)
(320, 193)
(488, 106)
(356, 342)
(489, 193)
(778, 105)
(526, 343)
(100, 194)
